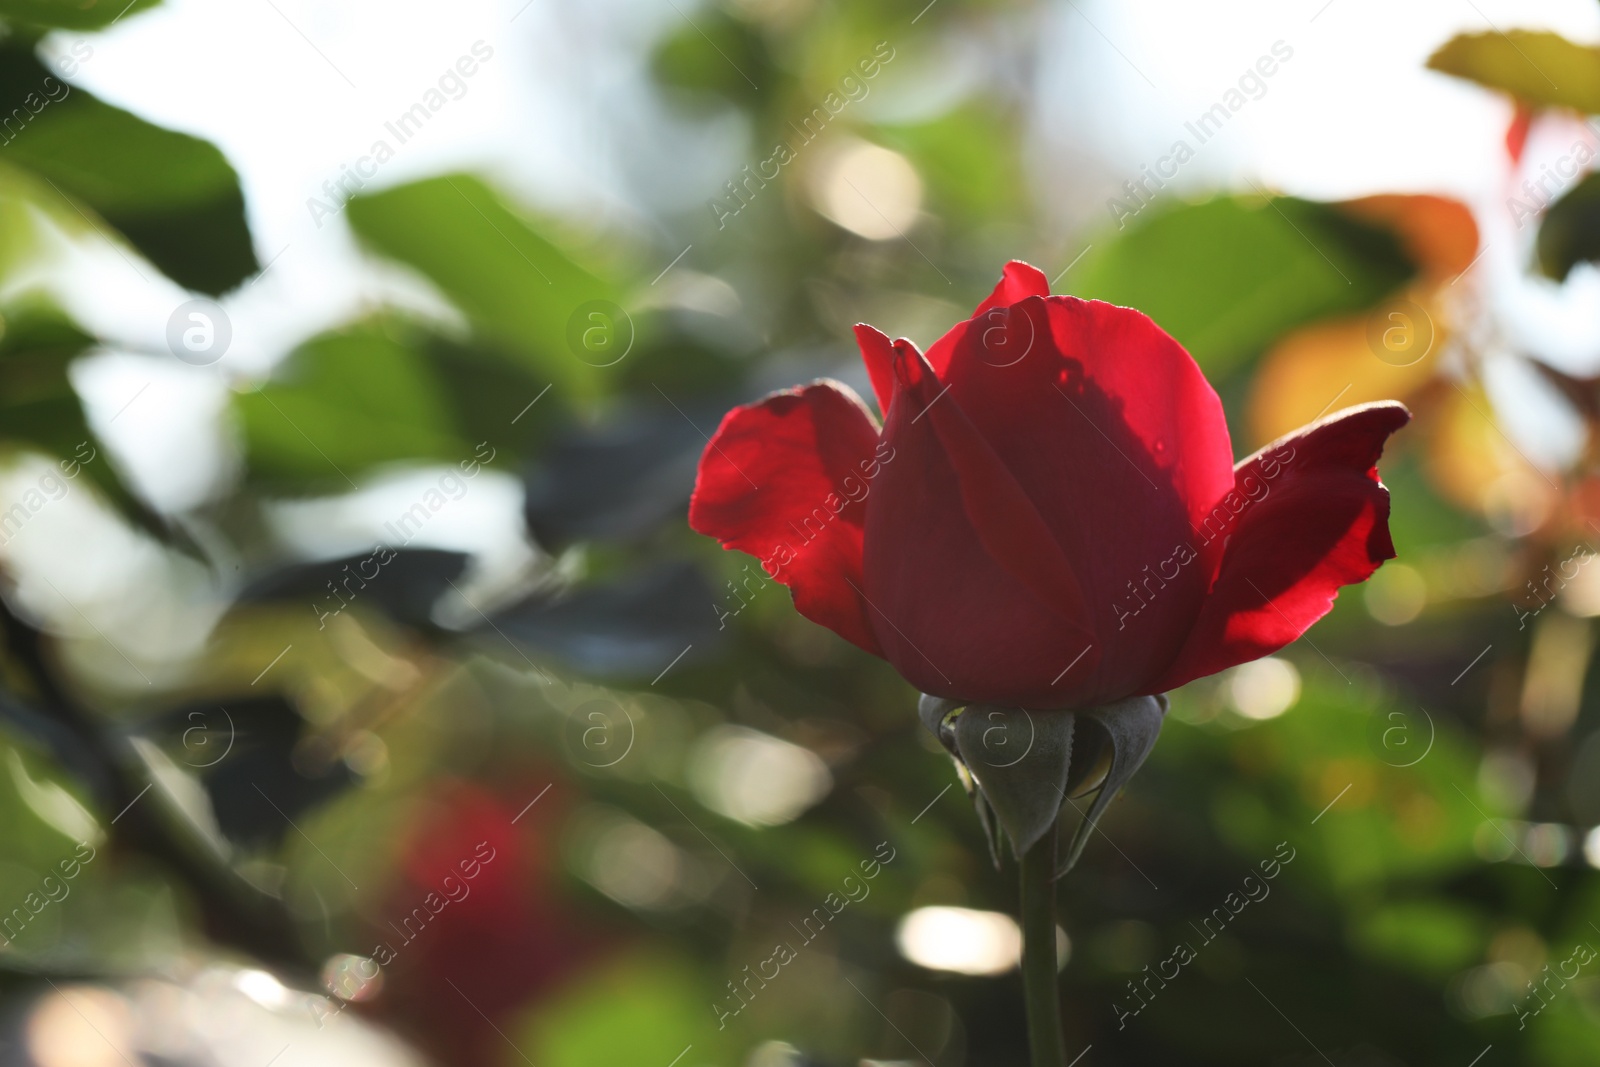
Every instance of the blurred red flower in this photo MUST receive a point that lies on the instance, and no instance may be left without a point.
(478, 930)
(1050, 516)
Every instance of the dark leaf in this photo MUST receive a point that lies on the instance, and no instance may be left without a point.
(22, 721)
(1570, 231)
(633, 628)
(619, 479)
(175, 197)
(244, 753)
(404, 583)
(70, 14)
(495, 399)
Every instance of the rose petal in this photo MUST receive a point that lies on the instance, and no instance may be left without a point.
(970, 594)
(1120, 442)
(1307, 515)
(877, 352)
(1018, 281)
(1006, 521)
(785, 479)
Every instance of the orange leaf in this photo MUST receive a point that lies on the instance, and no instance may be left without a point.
(1438, 233)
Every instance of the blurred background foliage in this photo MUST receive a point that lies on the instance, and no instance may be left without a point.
(330, 791)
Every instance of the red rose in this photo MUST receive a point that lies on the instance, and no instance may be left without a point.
(478, 930)
(1050, 516)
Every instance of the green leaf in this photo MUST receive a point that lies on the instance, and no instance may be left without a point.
(342, 404)
(40, 406)
(628, 1012)
(1432, 937)
(1541, 68)
(23, 199)
(40, 410)
(714, 53)
(495, 399)
(971, 163)
(174, 197)
(1228, 276)
(1412, 810)
(70, 14)
(1570, 232)
(519, 289)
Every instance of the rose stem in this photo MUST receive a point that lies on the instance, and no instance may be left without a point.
(1039, 953)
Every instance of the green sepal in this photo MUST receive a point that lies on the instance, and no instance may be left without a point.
(1133, 726)
(1020, 759)
(1019, 767)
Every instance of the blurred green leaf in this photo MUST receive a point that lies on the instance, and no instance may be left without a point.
(1570, 232)
(1228, 276)
(1565, 1035)
(40, 407)
(638, 1011)
(1434, 938)
(62, 810)
(1532, 65)
(39, 410)
(493, 398)
(1418, 516)
(970, 161)
(518, 288)
(70, 14)
(174, 197)
(20, 202)
(1406, 814)
(713, 53)
(342, 404)
(93, 914)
